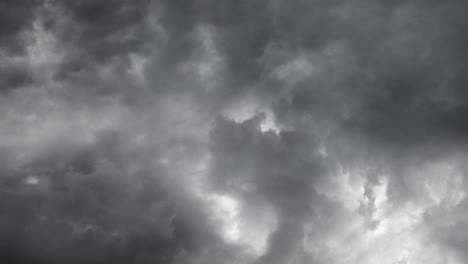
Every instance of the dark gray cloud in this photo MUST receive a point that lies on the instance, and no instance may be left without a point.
(16, 16)
(279, 168)
(184, 132)
(99, 32)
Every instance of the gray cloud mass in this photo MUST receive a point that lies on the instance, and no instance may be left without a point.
(246, 132)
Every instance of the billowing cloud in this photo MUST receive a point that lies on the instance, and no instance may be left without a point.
(253, 132)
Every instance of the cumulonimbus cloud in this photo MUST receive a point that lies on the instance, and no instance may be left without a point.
(180, 131)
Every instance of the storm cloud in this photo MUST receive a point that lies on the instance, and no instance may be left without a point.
(250, 132)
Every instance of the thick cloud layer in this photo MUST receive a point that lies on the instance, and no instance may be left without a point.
(264, 131)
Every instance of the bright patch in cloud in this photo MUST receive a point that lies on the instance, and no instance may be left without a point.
(226, 210)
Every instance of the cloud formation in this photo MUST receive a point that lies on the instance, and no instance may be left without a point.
(253, 132)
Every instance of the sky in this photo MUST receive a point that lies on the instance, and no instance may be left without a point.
(233, 132)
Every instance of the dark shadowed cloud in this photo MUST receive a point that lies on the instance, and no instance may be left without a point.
(253, 132)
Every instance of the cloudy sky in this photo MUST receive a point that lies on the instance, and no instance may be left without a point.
(233, 132)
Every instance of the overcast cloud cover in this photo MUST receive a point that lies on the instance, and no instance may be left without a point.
(233, 131)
